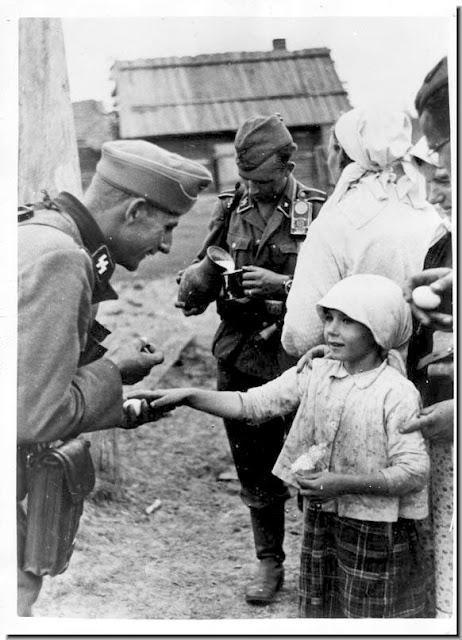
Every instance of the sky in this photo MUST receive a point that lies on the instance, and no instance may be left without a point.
(378, 58)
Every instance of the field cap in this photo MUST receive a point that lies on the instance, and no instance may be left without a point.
(434, 80)
(165, 179)
(259, 138)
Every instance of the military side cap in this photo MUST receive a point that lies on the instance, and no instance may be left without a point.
(258, 138)
(434, 80)
(165, 179)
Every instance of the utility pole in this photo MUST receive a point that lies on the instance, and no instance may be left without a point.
(48, 159)
(48, 156)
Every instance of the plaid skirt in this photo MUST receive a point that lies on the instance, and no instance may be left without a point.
(359, 569)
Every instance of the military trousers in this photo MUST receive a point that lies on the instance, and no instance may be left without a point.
(255, 448)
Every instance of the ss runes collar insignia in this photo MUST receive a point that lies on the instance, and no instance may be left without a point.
(103, 265)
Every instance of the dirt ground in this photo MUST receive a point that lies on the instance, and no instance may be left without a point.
(192, 557)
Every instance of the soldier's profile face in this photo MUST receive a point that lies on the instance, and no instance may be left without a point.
(148, 233)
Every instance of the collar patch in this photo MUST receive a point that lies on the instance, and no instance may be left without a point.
(103, 265)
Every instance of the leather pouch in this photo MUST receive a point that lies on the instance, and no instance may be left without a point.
(60, 479)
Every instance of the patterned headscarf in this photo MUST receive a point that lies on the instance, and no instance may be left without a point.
(375, 139)
(378, 303)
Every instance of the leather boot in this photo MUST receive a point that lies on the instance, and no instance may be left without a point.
(267, 581)
(268, 531)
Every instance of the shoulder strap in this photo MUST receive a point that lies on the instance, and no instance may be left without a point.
(231, 206)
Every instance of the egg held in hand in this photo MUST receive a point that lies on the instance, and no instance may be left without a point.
(135, 404)
(426, 299)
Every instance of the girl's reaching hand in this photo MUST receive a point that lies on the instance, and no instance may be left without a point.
(165, 398)
(168, 398)
(159, 399)
(141, 394)
(226, 404)
(137, 412)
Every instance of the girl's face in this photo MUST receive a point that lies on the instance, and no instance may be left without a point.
(350, 341)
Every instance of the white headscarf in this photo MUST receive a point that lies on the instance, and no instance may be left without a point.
(375, 139)
(378, 303)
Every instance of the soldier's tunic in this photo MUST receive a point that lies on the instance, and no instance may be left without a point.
(244, 357)
(58, 394)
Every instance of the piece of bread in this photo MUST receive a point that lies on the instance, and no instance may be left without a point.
(314, 459)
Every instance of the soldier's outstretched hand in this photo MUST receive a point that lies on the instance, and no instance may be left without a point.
(190, 311)
(138, 411)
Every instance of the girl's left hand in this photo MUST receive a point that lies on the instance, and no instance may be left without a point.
(321, 486)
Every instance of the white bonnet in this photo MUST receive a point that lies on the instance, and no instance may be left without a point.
(375, 301)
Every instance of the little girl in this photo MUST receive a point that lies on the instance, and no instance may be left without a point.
(359, 552)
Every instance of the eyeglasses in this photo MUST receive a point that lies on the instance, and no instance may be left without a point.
(433, 152)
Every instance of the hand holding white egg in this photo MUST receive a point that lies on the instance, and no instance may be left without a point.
(425, 298)
(135, 404)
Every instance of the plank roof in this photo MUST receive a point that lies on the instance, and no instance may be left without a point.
(216, 92)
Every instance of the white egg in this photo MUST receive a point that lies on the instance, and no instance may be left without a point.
(135, 403)
(424, 298)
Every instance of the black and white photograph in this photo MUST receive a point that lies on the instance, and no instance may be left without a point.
(226, 333)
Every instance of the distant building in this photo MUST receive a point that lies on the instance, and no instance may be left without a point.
(93, 127)
(194, 105)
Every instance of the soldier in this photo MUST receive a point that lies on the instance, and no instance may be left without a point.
(261, 224)
(67, 253)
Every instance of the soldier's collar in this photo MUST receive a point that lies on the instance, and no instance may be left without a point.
(285, 200)
(94, 242)
(288, 196)
(245, 203)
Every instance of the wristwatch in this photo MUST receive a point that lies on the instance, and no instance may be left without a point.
(287, 285)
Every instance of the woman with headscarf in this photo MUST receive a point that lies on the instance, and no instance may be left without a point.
(364, 482)
(376, 221)
(433, 344)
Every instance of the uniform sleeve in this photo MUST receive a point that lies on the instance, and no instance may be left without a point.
(319, 267)
(216, 229)
(408, 460)
(278, 397)
(56, 398)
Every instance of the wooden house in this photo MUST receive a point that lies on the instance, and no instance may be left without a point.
(194, 105)
(93, 126)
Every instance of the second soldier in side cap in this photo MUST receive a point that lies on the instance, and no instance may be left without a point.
(68, 250)
(261, 224)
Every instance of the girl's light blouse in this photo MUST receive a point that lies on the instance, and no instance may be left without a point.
(359, 417)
